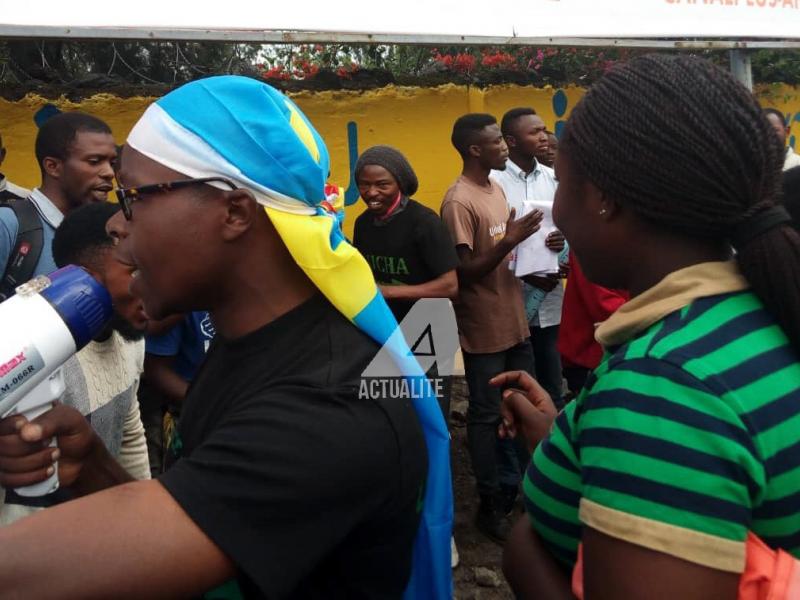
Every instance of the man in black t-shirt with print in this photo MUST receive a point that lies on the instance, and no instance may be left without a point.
(405, 243)
(291, 483)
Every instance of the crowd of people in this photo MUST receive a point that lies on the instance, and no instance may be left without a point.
(628, 307)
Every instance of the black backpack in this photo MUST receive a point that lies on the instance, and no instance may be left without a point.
(27, 248)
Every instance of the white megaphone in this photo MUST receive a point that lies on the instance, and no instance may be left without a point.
(48, 320)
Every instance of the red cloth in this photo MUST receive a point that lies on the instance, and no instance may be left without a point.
(585, 305)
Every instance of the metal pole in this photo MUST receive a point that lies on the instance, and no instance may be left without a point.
(274, 36)
(741, 67)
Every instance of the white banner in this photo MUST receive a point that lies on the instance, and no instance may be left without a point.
(434, 19)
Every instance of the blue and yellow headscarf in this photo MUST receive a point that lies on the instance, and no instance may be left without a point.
(250, 133)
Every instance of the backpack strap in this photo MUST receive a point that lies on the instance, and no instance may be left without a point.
(27, 248)
(6, 195)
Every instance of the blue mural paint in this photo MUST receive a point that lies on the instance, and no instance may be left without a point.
(560, 103)
(351, 194)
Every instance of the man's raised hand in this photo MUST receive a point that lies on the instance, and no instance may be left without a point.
(521, 229)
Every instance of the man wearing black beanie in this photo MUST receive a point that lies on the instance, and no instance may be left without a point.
(405, 243)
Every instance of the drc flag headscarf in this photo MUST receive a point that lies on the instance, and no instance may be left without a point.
(250, 133)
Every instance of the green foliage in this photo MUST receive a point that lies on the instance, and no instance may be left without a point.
(776, 66)
(129, 62)
(62, 62)
(521, 64)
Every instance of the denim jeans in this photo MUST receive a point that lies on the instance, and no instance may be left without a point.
(547, 362)
(494, 461)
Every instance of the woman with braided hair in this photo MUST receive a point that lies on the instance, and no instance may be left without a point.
(678, 466)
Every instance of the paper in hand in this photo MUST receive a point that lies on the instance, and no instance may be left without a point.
(532, 256)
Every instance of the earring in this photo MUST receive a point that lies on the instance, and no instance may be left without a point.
(603, 211)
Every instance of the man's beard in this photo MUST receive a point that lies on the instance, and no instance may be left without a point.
(122, 326)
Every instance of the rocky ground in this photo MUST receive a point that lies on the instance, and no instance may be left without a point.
(478, 575)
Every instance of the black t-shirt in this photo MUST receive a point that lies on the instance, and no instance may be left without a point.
(312, 491)
(413, 247)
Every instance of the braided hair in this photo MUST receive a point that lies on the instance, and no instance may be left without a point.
(687, 148)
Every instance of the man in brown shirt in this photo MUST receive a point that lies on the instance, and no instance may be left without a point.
(491, 319)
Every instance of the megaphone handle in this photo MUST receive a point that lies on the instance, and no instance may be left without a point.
(49, 485)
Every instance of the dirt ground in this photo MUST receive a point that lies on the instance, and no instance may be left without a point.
(477, 553)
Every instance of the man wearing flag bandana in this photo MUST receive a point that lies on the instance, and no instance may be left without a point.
(290, 484)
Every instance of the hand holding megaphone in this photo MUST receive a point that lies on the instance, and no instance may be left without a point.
(48, 320)
(26, 456)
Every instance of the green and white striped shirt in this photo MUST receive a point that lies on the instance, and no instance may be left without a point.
(686, 437)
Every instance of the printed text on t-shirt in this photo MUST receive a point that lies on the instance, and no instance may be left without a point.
(497, 231)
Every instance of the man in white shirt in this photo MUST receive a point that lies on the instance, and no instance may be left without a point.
(778, 122)
(525, 178)
(76, 153)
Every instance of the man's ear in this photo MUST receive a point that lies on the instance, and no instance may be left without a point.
(511, 141)
(241, 213)
(52, 166)
(474, 151)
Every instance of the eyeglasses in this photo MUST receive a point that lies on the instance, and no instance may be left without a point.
(127, 196)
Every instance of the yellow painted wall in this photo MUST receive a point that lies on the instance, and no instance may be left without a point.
(418, 121)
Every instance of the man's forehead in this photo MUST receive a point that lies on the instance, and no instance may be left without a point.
(531, 121)
(775, 119)
(136, 169)
(94, 141)
(375, 172)
(491, 131)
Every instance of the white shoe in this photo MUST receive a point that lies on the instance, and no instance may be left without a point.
(453, 553)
